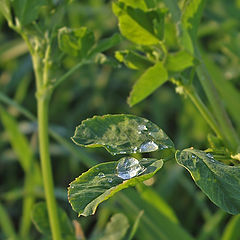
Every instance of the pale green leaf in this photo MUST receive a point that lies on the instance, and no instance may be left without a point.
(151, 79)
(121, 134)
(135, 24)
(218, 181)
(231, 231)
(41, 221)
(179, 61)
(101, 182)
(75, 42)
(27, 11)
(117, 227)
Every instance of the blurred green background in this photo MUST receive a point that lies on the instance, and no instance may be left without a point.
(102, 89)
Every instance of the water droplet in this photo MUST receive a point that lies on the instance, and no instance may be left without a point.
(194, 156)
(134, 149)
(101, 175)
(163, 147)
(209, 155)
(142, 127)
(148, 147)
(129, 167)
(110, 180)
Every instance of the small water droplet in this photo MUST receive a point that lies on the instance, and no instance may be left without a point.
(209, 155)
(163, 147)
(148, 147)
(134, 149)
(142, 127)
(194, 156)
(110, 180)
(129, 167)
(101, 175)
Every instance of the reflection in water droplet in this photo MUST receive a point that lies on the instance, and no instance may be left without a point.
(148, 147)
(129, 167)
(101, 175)
(142, 127)
(209, 155)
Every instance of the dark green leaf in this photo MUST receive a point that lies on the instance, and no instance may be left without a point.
(27, 11)
(102, 182)
(41, 221)
(135, 24)
(218, 181)
(5, 10)
(133, 60)
(141, 4)
(75, 42)
(117, 227)
(151, 79)
(179, 61)
(121, 133)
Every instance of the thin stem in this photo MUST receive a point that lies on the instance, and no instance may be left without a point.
(43, 103)
(6, 224)
(70, 72)
(225, 124)
(192, 94)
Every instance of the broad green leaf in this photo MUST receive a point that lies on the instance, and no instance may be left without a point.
(117, 227)
(133, 60)
(151, 79)
(218, 181)
(135, 24)
(102, 181)
(5, 10)
(27, 11)
(121, 134)
(179, 61)
(231, 231)
(105, 44)
(150, 196)
(41, 221)
(75, 42)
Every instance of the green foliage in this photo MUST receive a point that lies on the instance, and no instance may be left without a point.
(75, 42)
(151, 79)
(101, 182)
(5, 10)
(218, 181)
(121, 134)
(231, 231)
(41, 221)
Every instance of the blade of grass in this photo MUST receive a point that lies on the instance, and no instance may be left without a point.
(135, 225)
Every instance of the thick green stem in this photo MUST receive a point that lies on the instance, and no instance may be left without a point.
(43, 103)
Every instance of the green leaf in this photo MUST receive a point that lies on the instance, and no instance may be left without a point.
(75, 42)
(121, 134)
(5, 10)
(27, 11)
(151, 79)
(117, 227)
(135, 225)
(106, 43)
(102, 182)
(133, 60)
(41, 221)
(218, 181)
(192, 13)
(141, 4)
(179, 61)
(231, 231)
(135, 24)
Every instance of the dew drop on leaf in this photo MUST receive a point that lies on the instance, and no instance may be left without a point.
(101, 175)
(150, 146)
(129, 167)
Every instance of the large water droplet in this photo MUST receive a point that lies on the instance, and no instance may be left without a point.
(129, 167)
(101, 175)
(148, 147)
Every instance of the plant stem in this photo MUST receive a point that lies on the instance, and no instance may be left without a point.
(43, 104)
(225, 124)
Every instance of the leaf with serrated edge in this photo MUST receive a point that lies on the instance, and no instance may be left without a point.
(101, 182)
(121, 134)
(218, 181)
